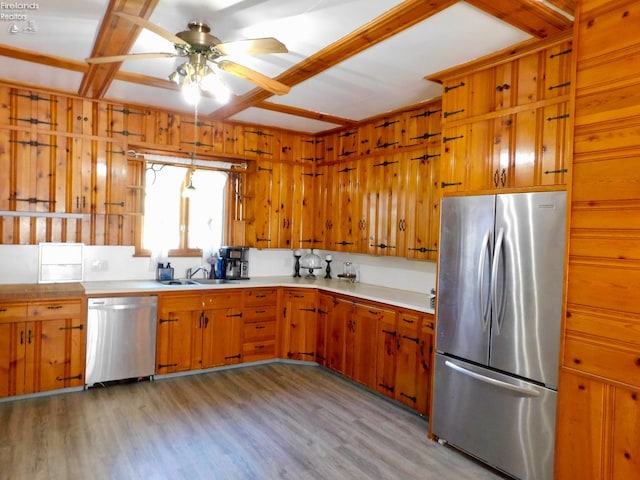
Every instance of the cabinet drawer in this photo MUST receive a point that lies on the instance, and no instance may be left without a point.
(301, 295)
(259, 331)
(178, 303)
(13, 312)
(221, 299)
(254, 351)
(257, 314)
(261, 296)
(53, 309)
(409, 323)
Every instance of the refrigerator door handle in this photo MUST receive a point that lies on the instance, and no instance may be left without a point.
(484, 306)
(497, 304)
(525, 392)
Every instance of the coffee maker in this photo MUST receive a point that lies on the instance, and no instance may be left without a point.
(236, 262)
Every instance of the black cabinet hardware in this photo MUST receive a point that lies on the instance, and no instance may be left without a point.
(453, 87)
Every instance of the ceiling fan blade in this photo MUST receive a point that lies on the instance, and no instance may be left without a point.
(252, 46)
(141, 22)
(131, 56)
(257, 78)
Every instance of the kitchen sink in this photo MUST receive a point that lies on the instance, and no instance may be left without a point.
(179, 282)
(212, 281)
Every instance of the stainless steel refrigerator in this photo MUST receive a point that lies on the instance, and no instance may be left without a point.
(500, 284)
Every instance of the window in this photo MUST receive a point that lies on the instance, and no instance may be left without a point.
(176, 222)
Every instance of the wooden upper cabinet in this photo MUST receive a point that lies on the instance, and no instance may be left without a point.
(347, 147)
(326, 148)
(199, 136)
(505, 126)
(258, 143)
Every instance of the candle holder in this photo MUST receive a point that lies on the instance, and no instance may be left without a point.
(328, 269)
(297, 265)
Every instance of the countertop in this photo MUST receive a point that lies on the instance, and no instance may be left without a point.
(39, 291)
(364, 291)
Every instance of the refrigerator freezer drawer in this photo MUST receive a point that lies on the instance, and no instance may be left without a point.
(505, 422)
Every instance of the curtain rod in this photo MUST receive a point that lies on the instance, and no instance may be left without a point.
(168, 159)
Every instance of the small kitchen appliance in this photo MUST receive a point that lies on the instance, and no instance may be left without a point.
(236, 260)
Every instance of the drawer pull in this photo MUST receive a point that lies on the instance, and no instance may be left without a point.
(3, 310)
(75, 327)
(408, 397)
(258, 347)
(75, 377)
(166, 365)
(407, 320)
(54, 307)
(261, 311)
(260, 327)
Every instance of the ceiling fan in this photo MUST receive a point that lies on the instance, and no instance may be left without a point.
(201, 47)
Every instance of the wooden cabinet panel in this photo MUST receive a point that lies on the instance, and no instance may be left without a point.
(616, 362)
(178, 319)
(299, 324)
(458, 96)
(580, 428)
(54, 309)
(256, 351)
(361, 343)
(221, 330)
(337, 324)
(325, 310)
(386, 356)
(12, 358)
(258, 143)
(424, 378)
(422, 205)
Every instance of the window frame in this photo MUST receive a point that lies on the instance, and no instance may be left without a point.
(229, 212)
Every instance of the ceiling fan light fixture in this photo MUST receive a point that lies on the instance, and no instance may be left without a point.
(190, 92)
(212, 83)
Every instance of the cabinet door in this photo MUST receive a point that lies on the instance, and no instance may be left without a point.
(177, 333)
(299, 340)
(259, 232)
(222, 337)
(389, 177)
(12, 358)
(361, 341)
(323, 208)
(387, 351)
(552, 151)
(303, 209)
(422, 204)
(454, 159)
(408, 359)
(346, 206)
(325, 307)
(337, 324)
(45, 358)
(425, 372)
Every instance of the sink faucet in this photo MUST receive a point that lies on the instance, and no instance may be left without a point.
(191, 272)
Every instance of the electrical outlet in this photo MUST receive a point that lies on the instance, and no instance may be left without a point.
(99, 266)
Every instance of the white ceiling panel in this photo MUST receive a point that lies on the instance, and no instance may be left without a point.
(36, 75)
(282, 120)
(53, 28)
(390, 75)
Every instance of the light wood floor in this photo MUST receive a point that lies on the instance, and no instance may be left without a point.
(275, 421)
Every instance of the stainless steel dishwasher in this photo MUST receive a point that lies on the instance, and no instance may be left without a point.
(121, 338)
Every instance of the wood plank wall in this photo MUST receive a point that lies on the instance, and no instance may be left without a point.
(598, 433)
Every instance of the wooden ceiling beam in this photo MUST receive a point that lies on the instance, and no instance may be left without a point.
(399, 18)
(532, 16)
(115, 37)
(299, 112)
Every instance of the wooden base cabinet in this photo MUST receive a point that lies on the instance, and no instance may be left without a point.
(260, 324)
(403, 363)
(198, 330)
(41, 355)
